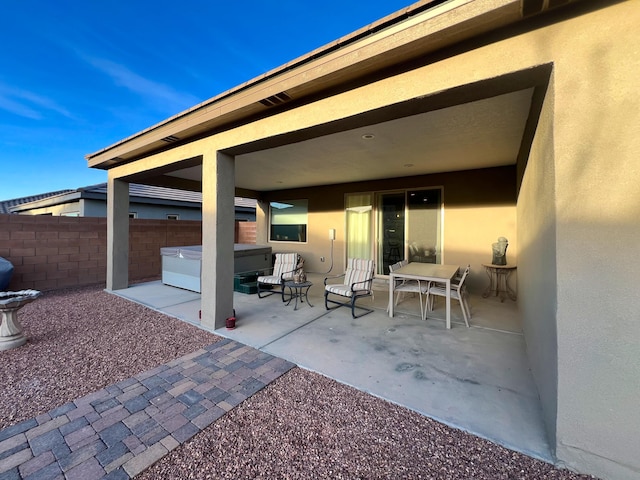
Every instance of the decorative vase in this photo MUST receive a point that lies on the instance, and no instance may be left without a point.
(499, 251)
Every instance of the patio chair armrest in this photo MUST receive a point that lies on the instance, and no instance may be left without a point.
(368, 280)
(288, 274)
(333, 277)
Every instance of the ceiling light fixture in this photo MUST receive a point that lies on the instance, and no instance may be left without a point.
(368, 136)
(408, 165)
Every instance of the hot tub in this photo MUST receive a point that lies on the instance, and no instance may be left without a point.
(182, 266)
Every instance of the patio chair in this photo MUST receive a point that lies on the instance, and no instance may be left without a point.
(403, 286)
(458, 292)
(357, 283)
(284, 267)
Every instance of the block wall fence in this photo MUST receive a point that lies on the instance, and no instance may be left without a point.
(49, 252)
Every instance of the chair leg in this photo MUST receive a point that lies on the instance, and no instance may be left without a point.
(468, 308)
(327, 302)
(422, 313)
(262, 291)
(354, 306)
(464, 310)
(350, 303)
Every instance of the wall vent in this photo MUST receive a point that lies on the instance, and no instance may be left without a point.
(170, 139)
(277, 99)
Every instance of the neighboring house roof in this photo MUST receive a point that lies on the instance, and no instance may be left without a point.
(146, 193)
(6, 205)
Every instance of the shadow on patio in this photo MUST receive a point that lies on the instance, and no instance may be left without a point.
(476, 379)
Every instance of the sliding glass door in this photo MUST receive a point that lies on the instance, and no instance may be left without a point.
(390, 229)
(393, 226)
(424, 225)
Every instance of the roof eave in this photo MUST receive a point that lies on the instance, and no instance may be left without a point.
(399, 37)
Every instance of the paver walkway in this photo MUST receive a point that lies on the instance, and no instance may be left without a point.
(121, 430)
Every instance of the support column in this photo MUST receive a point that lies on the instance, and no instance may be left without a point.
(117, 234)
(262, 222)
(218, 223)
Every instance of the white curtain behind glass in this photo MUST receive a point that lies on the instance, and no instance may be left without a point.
(359, 211)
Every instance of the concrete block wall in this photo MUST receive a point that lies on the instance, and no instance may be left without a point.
(50, 252)
(245, 232)
(147, 237)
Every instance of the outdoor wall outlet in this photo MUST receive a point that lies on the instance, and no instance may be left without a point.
(322, 259)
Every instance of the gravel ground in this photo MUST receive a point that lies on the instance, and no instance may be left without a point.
(301, 426)
(81, 340)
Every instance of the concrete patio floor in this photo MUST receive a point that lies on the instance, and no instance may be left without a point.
(476, 379)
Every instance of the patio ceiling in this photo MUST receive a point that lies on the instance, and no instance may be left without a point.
(478, 134)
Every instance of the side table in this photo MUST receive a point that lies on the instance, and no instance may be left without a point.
(298, 290)
(499, 281)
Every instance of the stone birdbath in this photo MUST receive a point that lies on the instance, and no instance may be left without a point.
(11, 335)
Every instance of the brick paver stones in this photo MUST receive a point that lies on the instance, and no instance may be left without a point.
(121, 430)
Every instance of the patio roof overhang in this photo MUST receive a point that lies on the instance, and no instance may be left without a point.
(409, 37)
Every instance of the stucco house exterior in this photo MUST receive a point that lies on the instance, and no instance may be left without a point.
(145, 201)
(437, 130)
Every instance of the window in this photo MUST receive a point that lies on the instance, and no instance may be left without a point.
(69, 214)
(133, 214)
(173, 216)
(288, 221)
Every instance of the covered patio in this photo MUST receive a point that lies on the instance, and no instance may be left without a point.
(528, 130)
(477, 379)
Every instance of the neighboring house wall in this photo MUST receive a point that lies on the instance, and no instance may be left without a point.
(245, 232)
(54, 252)
(75, 209)
(150, 208)
(94, 208)
(160, 212)
(98, 208)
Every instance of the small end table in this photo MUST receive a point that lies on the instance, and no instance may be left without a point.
(297, 290)
(499, 281)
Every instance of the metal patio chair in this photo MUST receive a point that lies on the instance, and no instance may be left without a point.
(357, 283)
(458, 292)
(284, 267)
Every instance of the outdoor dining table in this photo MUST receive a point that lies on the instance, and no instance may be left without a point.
(425, 272)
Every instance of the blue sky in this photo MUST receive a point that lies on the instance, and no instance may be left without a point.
(77, 76)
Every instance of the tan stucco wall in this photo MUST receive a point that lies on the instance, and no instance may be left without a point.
(578, 212)
(479, 207)
(536, 221)
(597, 152)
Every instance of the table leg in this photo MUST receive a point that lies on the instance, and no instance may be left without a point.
(306, 295)
(493, 287)
(511, 293)
(392, 282)
(290, 295)
(448, 303)
(504, 288)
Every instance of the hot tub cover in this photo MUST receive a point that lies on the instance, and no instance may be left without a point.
(6, 272)
(192, 252)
